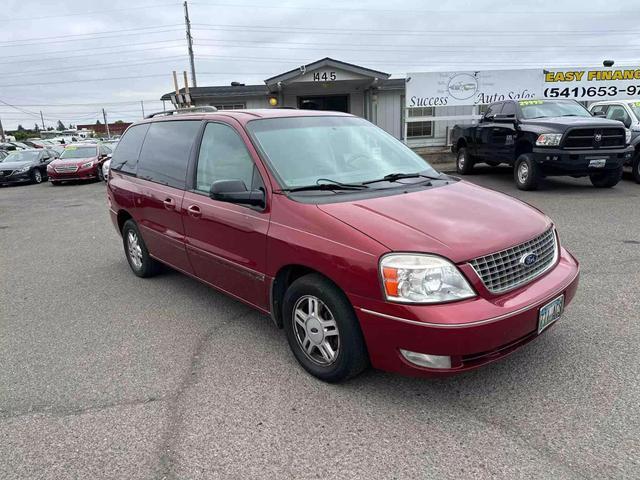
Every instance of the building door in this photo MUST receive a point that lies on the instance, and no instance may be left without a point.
(334, 103)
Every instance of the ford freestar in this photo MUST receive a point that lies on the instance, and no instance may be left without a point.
(354, 245)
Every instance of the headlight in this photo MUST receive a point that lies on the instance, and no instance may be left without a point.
(627, 135)
(86, 165)
(24, 169)
(416, 278)
(549, 139)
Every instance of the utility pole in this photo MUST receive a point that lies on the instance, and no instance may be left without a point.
(190, 44)
(42, 118)
(1, 131)
(142, 105)
(104, 115)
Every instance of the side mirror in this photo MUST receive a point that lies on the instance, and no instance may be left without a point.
(235, 191)
(599, 114)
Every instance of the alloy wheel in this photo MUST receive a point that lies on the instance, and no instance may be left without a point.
(37, 176)
(461, 161)
(135, 251)
(316, 330)
(523, 172)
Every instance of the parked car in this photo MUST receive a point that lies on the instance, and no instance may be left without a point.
(78, 162)
(22, 166)
(105, 169)
(354, 245)
(627, 112)
(542, 138)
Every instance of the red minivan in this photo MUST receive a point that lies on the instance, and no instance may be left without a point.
(351, 242)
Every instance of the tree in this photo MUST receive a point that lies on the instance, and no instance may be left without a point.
(36, 128)
(98, 122)
(20, 128)
(61, 125)
(118, 121)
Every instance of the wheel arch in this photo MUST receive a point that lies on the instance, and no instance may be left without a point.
(286, 275)
(122, 217)
(523, 146)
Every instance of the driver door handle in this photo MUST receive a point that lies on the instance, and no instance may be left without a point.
(169, 203)
(194, 211)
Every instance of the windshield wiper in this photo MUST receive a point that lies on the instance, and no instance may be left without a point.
(392, 177)
(330, 185)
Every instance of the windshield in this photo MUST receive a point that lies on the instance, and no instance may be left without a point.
(635, 106)
(21, 156)
(309, 150)
(79, 152)
(552, 108)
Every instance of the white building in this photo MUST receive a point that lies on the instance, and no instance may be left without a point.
(329, 84)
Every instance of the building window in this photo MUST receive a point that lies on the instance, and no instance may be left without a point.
(229, 106)
(420, 129)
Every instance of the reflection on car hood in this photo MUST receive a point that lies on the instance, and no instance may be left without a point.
(460, 221)
(14, 165)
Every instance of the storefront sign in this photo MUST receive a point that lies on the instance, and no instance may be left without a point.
(592, 83)
(436, 89)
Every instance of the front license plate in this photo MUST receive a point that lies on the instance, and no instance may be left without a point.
(598, 163)
(551, 312)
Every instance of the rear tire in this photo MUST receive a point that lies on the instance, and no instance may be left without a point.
(526, 172)
(54, 183)
(322, 329)
(606, 179)
(635, 168)
(136, 251)
(464, 162)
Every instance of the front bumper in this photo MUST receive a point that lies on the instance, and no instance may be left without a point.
(89, 173)
(473, 332)
(16, 178)
(556, 161)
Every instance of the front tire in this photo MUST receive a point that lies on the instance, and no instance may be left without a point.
(606, 179)
(526, 172)
(36, 176)
(136, 251)
(322, 329)
(100, 174)
(635, 168)
(464, 162)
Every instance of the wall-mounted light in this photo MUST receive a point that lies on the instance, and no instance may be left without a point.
(273, 101)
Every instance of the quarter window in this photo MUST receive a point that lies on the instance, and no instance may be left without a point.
(493, 110)
(166, 150)
(125, 156)
(223, 156)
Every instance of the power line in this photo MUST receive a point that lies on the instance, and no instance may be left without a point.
(88, 39)
(402, 11)
(91, 67)
(98, 12)
(90, 34)
(400, 33)
(109, 47)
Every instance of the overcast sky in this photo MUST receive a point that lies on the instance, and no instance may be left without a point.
(71, 59)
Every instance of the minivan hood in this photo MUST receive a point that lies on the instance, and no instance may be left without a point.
(460, 221)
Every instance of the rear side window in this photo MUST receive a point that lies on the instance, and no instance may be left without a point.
(493, 110)
(125, 157)
(166, 150)
(508, 109)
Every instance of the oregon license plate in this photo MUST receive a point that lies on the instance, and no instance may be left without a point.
(551, 312)
(597, 163)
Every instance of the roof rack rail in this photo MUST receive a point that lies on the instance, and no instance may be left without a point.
(203, 109)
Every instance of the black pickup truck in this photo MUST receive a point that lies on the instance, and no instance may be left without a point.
(542, 138)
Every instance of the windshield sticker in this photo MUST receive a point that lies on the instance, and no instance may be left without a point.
(530, 102)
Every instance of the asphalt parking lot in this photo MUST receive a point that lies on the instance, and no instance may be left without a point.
(105, 375)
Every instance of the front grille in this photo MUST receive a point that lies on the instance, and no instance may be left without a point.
(586, 138)
(66, 169)
(505, 270)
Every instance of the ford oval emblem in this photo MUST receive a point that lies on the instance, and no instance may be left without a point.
(528, 259)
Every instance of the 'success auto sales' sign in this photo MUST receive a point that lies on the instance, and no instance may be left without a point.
(436, 89)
